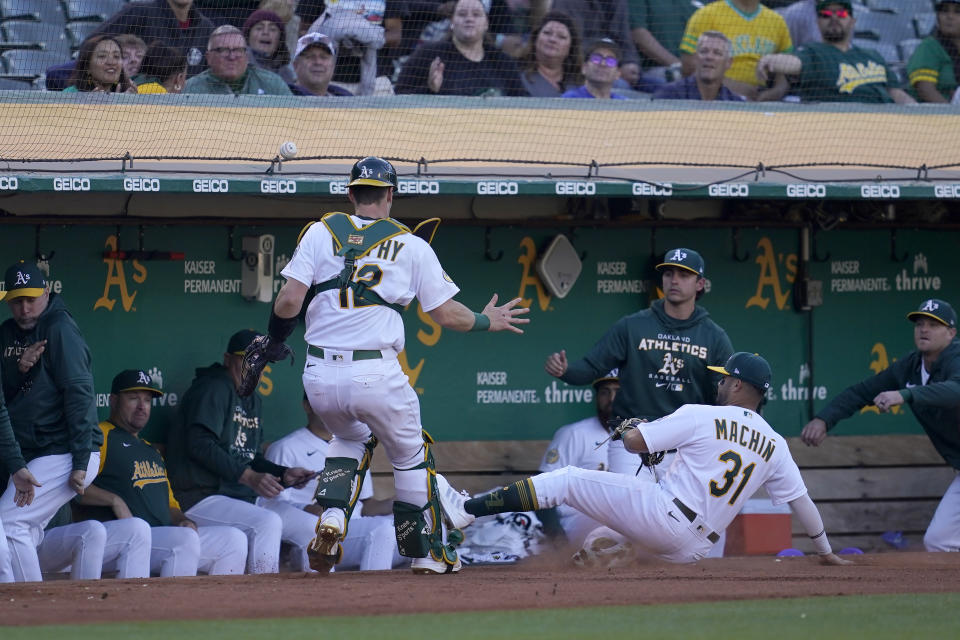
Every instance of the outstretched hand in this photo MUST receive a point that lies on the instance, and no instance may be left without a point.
(504, 318)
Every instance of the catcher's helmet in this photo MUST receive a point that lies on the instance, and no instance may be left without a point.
(374, 172)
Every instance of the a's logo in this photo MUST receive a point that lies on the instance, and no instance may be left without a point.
(143, 378)
(22, 278)
(678, 256)
(851, 76)
(770, 276)
(156, 376)
(553, 455)
(671, 364)
(530, 278)
(929, 305)
(365, 172)
(117, 277)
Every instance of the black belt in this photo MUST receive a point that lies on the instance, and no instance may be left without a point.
(691, 515)
(359, 354)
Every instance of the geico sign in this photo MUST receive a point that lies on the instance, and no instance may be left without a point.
(418, 187)
(497, 188)
(211, 185)
(71, 184)
(646, 189)
(879, 191)
(278, 186)
(141, 184)
(338, 187)
(732, 190)
(9, 183)
(576, 189)
(806, 191)
(940, 190)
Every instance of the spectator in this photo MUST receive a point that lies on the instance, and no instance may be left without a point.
(99, 68)
(176, 22)
(48, 387)
(132, 484)
(314, 63)
(216, 468)
(657, 28)
(597, 19)
(711, 62)
(834, 70)
(463, 65)
(553, 59)
(928, 380)
(801, 19)
(934, 67)
(600, 70)
(230, 71)
(755, 31)
(370, 544)
(286, 9)
(164, 69)
(132, 49)
(576, 445)
(266, 46)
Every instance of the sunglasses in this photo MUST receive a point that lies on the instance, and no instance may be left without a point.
(831, 13)
(598, 59)
(226, 51)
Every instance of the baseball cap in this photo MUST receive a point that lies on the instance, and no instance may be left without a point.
(823, 4)
(612, 376)
(314, 39)
(749, 367)
(685, 259)
(23, 280)
(939, 3)
(603, 43)
(134, 380)
(936, 309)
(241, 340)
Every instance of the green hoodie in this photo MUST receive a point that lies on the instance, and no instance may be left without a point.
(216, 437)
(52, 407)
(662, 361)
(11, 460)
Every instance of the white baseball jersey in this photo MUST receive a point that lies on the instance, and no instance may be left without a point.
(398, 269)
(724, 454)
(301, 448)
(576, 444)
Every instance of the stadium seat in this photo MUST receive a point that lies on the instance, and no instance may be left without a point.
(12, 84)
(29, 64)
(907, 47)
(888, 51)
(29, 34)
(902, 7)
(80, 31)
(924, 23)
(883, 27)
(48, 11)
(91, 10)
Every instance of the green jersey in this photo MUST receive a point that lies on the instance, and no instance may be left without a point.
(666, 20)
(931, 63)
(662, 361)
(832, 75)
(135, 471)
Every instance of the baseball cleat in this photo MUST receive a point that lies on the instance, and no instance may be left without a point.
(451, 502)
(606, 553)
(429, 566)
(325, 550)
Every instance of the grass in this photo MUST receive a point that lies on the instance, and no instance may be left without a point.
(853, 617)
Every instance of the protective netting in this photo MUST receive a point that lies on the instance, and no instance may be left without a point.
(336, 79)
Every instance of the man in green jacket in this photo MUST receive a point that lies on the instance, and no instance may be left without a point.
(230, 71)
(48, 389)
(927, 379)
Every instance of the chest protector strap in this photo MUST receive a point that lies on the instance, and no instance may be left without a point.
(352, 243)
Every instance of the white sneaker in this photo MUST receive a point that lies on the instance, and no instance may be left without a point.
(452, 501)
(428, 566)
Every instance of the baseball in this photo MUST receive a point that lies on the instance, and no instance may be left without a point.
(288, 150)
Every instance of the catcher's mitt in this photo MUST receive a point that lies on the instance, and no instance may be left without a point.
(258, 354)
(652, 458)
(626, 425)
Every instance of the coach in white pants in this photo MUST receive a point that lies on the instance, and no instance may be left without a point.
(370, 543)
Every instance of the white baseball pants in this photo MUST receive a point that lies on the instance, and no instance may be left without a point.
(261, 527)
(22, 527)
(124, 547)
(943, 534)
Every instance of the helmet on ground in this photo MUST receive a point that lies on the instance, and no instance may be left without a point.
(373, 171)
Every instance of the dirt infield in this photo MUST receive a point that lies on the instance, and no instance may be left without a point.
(537, 583)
